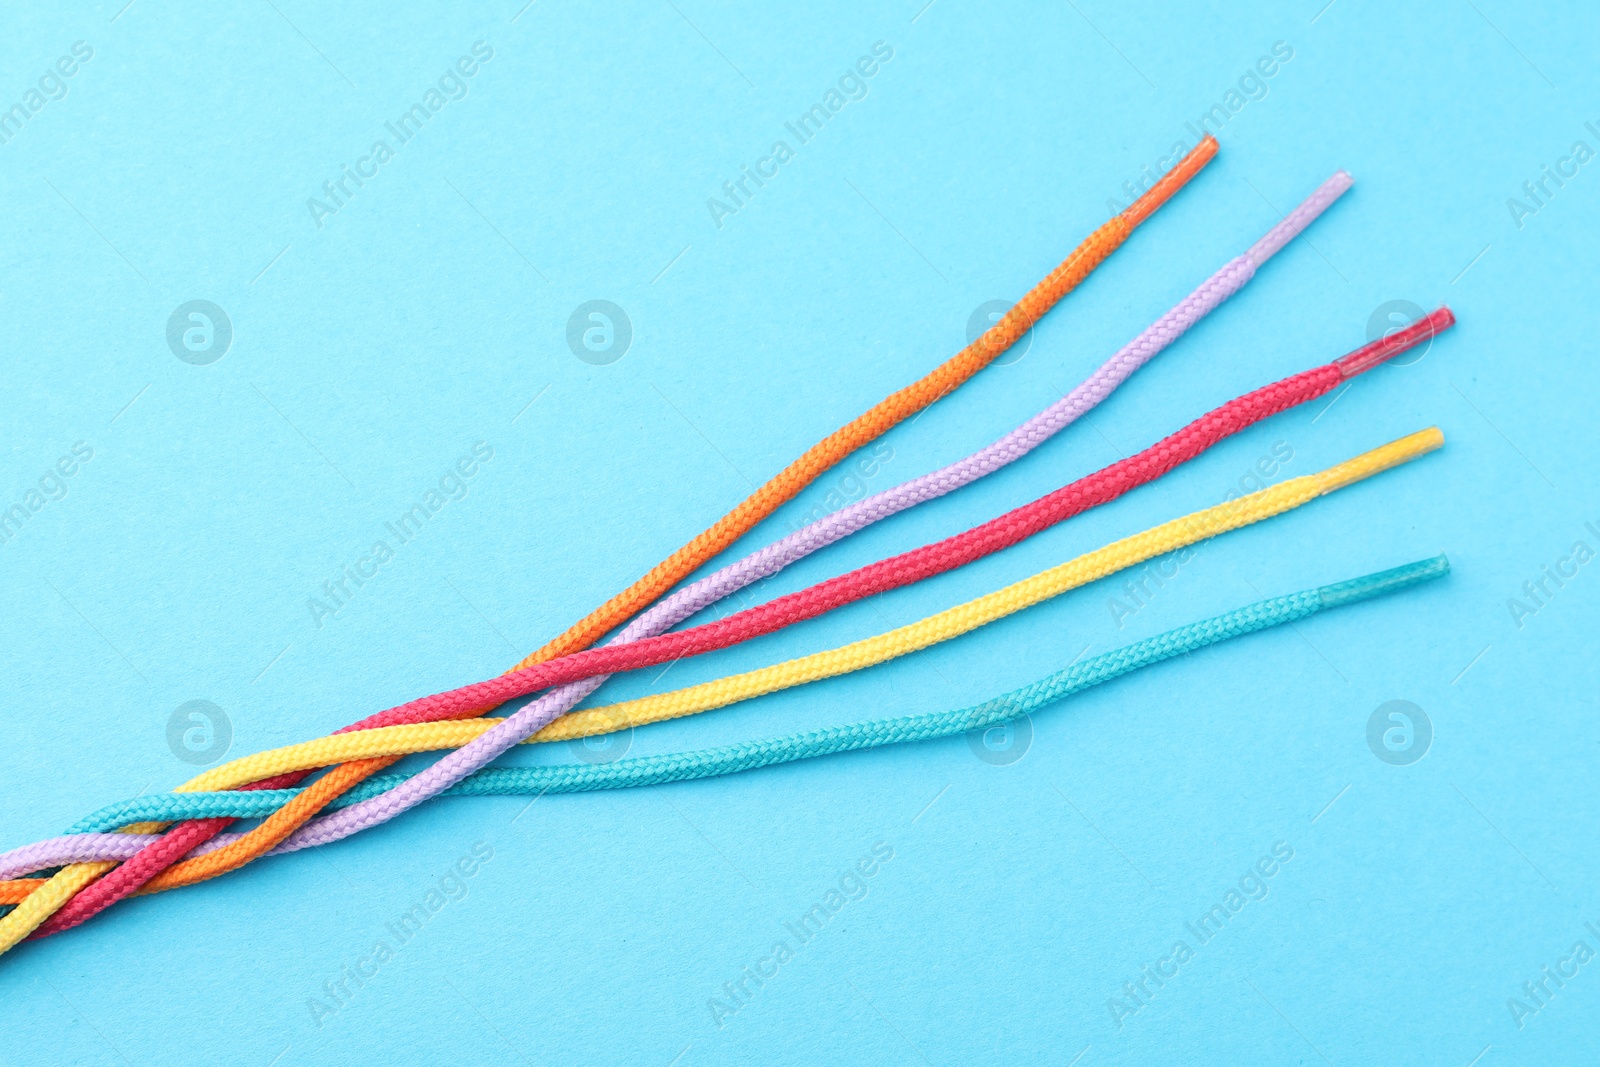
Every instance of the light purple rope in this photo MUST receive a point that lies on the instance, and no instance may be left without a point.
(764, 563)
(73, 848)
(768, 561)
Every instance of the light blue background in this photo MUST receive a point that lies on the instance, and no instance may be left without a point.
(426, 316)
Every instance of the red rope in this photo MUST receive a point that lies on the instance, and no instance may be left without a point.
(1099, 488)
(1017, 525)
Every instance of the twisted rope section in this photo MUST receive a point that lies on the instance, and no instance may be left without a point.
(777, 491)
(909, 567)
(886, 574)
(370, 744)
(88, 846)
(916, 636)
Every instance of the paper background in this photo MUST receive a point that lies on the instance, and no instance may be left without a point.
(431, 311)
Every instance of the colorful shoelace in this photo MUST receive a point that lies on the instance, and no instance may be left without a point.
(482, 741)
(70, 884)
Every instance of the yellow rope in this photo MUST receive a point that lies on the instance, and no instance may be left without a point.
(400, 740)
(866, 427)
(1168, 537)
(44, 901)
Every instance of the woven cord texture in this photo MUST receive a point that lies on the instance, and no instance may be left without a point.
(938, 628)
(887, 574)
(1161, 538)
(767, 499)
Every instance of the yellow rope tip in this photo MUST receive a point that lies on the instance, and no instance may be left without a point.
(1377, 460)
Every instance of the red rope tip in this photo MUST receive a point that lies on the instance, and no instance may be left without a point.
(1386, 348)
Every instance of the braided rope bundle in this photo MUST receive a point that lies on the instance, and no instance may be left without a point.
(1127, 552)
(917, 564)
(70, 883)
(486, 740)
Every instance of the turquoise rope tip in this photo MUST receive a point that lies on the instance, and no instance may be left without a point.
(1389, 581)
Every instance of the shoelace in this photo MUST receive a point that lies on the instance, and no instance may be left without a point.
(496, 737)
(92, 842)
(71, 883)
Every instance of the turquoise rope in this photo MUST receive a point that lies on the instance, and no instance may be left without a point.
(730, 759)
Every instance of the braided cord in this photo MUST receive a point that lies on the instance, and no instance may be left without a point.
(730, 759)
(950, 623)
(765, 562)
(278, 826)
(892, 573)
(83, 845)
(503, 735)
(767, 499)
(87, 841)
(43, 900)
(389, 742)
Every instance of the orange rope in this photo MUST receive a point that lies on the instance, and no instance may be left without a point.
(279, 825)
(17, 890)
(879, 419)
(782, 488)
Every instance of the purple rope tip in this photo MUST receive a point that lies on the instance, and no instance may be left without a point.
(458, 764)
(1297, 220)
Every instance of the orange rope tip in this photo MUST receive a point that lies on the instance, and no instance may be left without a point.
(1173, 180)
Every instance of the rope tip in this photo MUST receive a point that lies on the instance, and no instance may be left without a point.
(1380, 459)
(1389, 581)
(1386, 348)
(1176, 177)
